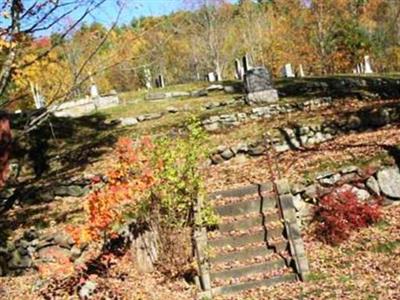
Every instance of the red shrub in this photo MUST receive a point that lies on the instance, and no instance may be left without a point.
(340, 212)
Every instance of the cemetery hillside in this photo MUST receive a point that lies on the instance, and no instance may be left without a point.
(200, 149)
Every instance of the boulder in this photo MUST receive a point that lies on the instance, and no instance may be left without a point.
(373, 185)
(256, 151)
(211, 127)
(72, 191)
(389, 182)
(18, 261)
(227, 154)
(361, 194)
(216, 159)
(128, 121)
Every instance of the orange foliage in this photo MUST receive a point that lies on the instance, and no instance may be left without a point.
(128, 181)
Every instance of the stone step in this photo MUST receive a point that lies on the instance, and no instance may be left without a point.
(235, 288)
(249, 222)
(272, 233)
(248, 270)
(243, 191)
(238, 241)
(245, 207)
(242, 255)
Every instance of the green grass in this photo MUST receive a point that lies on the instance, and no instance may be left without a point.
(140, 94)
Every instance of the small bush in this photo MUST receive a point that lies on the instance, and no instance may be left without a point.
(148, 182)
(340, 212)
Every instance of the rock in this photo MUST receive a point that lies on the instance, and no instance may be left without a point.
(298, 202)
(211, 126)
(75, 252)
(281, 148)
(354, 122)
(152, 116)
(240, 148)
(331, 180)
(72, 191)
(200, 93)
(389, 182)
(256, 151)
(282, 186)
(348, 169)
(373, 185)
(221, 148)
(31, 234)
(229, 89)
(172, 109)
(227, 154)
(311, 191)
(179, 94)
(128, 121)
(18, 261)
(361, 194)
(63, 240)
(87, 289)
(215, 87)
(298, 188)
(216, 159)
(155, 96)
(325, 174)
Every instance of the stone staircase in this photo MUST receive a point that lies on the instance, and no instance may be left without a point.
(256, 244)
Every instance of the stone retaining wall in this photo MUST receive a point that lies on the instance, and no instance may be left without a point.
(300, 136)
(366, 183)
(214, 123)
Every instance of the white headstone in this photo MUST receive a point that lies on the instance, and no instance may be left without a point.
(288, 71)
(38, 98)
(367, 65)
(211, 77)
(358, 69)
(94, 93)
(147, 78)
(301, 71)
(361, 68)
(238, 69)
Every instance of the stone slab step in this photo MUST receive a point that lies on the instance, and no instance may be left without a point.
(245, 207)
(249, 222)
(272, 233)
(235, 288)
(245, 254)
(248, 270)
(243, 191)
(238, 241)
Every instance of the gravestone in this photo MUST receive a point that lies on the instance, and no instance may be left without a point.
(258, 86)
(160, 81)
(288, 71)
(238, 69)
(37, 96)
(361, 68)
(301, 71)
(94, 93)
(246, 63)
(147, 78)
(211, 77)
(367, 65)
(358, 69)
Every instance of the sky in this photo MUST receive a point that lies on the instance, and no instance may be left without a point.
(106, 14)
(135, 8)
